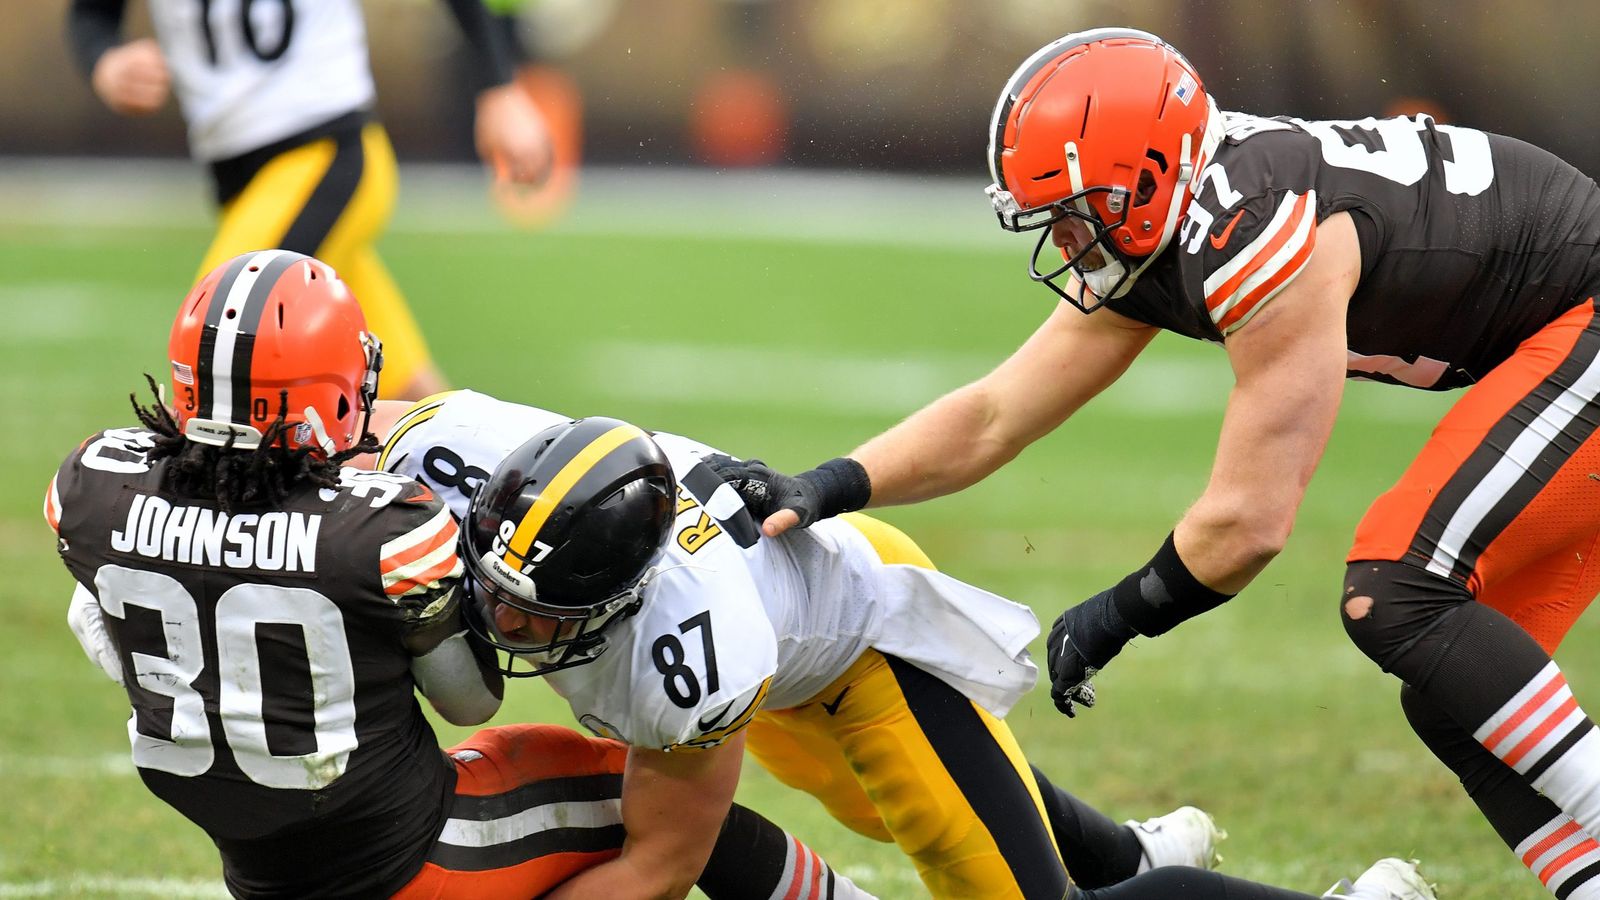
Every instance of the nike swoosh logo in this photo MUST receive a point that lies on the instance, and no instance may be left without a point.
(1218, 241)
(715, 719)
(424, 497)
(832, 708)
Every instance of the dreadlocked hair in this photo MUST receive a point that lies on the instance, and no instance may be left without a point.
(237, 478)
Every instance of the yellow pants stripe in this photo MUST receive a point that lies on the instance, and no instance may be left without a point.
(332, 199)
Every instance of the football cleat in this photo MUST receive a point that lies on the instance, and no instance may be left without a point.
(1184, 837)
(1388, 879)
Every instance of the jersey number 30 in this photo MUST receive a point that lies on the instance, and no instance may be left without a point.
(188, 750)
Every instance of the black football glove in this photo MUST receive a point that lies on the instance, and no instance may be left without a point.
(756, 482)
(1082, 640)
(836, 486)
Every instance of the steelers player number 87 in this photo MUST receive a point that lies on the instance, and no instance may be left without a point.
(678, 677)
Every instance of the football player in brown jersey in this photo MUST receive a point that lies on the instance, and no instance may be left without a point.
(271, 615)
(1401, 250)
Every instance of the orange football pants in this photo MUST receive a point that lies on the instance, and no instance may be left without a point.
(1505, 496)
(524, 769)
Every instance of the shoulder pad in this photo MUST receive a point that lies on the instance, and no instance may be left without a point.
(420, 412)
(419, 557)
(1247, 251)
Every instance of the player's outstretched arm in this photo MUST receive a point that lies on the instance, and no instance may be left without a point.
(510, 134)
(673, 806)
(1289, 369)
(960, 438)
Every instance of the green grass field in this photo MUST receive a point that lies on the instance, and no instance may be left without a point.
(793, 350)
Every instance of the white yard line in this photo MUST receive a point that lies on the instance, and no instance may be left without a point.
(794, 205)
(86, 884)
(881, 386)
(103, 765)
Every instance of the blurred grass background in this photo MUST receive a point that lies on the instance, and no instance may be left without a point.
(792, 331)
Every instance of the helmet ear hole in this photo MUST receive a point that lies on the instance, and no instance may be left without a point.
(344, 407)
(1146, 189)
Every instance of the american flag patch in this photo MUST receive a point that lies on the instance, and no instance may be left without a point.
(182, 373)
(1185, 89)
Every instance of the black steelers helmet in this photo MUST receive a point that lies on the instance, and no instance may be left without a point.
(564, 531)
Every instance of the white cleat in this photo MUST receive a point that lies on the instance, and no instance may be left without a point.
(1388, 879)
(1184, 837)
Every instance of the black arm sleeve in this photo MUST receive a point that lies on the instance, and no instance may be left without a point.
(93, 27)
(490, 48)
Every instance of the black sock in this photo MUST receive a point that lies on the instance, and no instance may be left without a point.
(1191, 884)
(1095, 850)
(754, 859)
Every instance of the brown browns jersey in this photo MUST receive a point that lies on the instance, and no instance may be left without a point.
(262, 654)
(1470, 242)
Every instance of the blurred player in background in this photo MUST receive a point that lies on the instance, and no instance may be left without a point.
(560, 103)
(278, 98)
(1400, 250)
(271, 614)
(616, 564)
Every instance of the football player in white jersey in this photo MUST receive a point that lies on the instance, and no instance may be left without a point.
(278, 97)
(269, 613)
(617, 565)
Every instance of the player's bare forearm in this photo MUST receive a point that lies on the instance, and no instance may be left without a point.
(962, 437)
(617, 879)
(673, 807)
(942, 448)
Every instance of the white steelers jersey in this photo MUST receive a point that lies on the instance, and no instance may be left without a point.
(246, 81)
(731, 624)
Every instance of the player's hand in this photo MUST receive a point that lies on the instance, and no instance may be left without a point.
(512, 136)
(132, 79)
(1079, 646)
(781, 501)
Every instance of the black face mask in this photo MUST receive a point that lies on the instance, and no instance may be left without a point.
(1044, 218)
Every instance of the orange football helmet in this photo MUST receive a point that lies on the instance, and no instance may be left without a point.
(265, 323)
(1109, 127)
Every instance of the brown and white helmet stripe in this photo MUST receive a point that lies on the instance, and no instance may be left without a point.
(227, 347)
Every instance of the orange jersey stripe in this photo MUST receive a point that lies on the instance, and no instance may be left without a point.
(425, 579)
(52, 506)
(1267, 288)
(1227, 288)
(447, 532)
